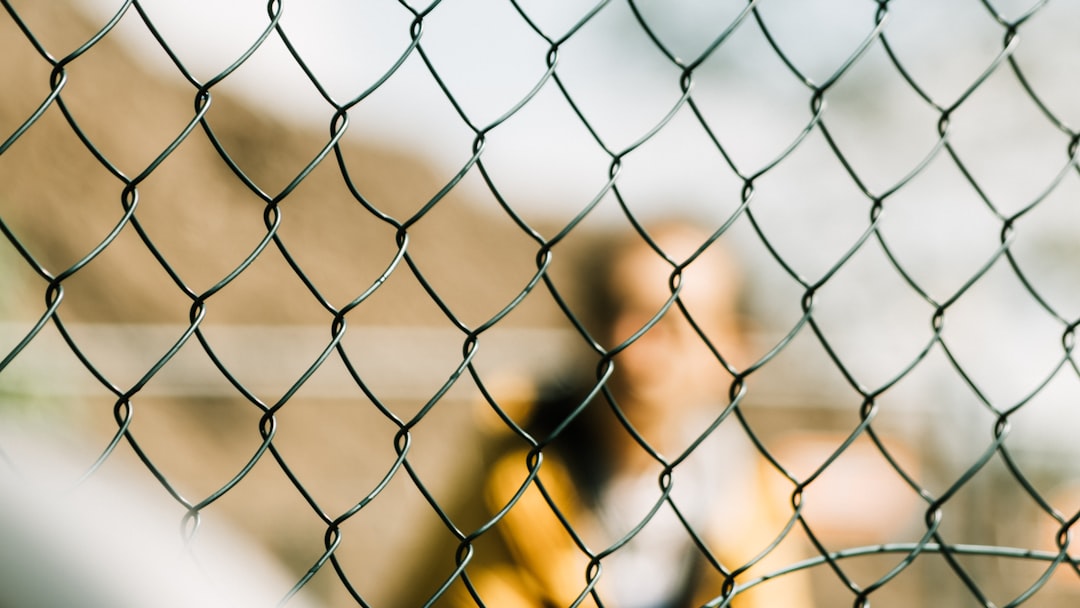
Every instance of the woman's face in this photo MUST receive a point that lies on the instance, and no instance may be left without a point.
(670, 365)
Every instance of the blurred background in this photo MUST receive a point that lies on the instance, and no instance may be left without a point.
(953, 317)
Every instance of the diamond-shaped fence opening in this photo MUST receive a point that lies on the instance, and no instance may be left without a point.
(490, 303)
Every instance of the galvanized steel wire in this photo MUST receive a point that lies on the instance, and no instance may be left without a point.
(943, 116)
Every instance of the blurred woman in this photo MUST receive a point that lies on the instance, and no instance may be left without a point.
(648, 493)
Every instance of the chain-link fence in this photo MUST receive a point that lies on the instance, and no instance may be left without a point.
(339, 277)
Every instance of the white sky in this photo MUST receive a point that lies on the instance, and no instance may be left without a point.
(542, 156)
(490, 60)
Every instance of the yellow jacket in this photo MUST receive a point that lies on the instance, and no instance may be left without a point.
(542, 562)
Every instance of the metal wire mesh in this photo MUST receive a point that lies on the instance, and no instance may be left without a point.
(311, 335)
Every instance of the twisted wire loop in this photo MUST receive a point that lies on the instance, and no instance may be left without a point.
(312, 336)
